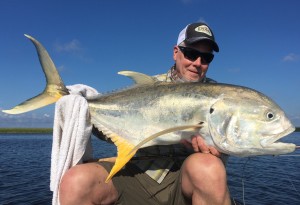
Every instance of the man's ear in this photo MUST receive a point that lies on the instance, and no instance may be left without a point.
(175, 52)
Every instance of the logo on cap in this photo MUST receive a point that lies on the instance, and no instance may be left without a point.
(203, 29)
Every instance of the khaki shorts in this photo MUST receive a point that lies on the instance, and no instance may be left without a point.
(137, 188)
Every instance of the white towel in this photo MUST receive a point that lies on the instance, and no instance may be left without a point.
(71, 134)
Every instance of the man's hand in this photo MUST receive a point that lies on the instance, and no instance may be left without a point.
(198, 145)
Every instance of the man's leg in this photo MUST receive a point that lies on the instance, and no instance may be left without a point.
(204, 180)
(85, 184)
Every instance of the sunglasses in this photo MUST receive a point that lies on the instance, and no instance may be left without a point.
(193, 54)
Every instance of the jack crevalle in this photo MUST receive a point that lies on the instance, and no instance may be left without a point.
(235, 120)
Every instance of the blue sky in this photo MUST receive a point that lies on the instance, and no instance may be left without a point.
(91, 40)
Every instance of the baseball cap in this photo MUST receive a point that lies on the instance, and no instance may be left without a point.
(196, 32)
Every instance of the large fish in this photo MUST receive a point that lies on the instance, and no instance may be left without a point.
(235, 120)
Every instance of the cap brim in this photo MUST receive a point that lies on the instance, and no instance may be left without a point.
(215, 46)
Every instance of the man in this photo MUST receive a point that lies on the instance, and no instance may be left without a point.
(170, 174)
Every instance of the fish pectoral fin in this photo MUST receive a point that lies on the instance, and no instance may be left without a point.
(166, 131)
(125, 153)
(34, 103)
(139, 78)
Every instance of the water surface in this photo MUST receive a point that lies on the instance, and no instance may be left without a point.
(25, 165)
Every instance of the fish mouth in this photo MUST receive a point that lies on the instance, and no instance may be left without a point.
(270, 140)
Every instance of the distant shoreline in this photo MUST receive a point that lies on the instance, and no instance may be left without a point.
(43, 130)
(26, 130)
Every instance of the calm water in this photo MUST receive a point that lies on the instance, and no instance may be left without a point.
(25, 164)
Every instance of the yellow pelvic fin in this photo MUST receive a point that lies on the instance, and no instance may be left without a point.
(125, 153)
(163, 132)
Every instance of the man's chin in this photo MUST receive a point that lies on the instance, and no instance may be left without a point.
(190, 80)
(193, 78)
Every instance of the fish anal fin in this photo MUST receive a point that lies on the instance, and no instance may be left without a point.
(125, 153)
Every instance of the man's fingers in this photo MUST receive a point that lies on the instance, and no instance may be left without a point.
(195, 144)
(214, 152)
(202, 147)
(198, 145)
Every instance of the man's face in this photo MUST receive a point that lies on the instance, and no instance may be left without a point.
(188, 69)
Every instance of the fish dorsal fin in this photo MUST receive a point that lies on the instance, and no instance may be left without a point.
(138, 78)
(166, 131)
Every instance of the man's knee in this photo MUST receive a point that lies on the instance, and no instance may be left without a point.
(200, 165)
(201, 171)
(75, 182)
(86, 183)
(204, 174)
(71, 177)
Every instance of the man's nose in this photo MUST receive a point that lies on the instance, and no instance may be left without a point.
(198, 62)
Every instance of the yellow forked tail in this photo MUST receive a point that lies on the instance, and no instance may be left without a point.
(55, 87)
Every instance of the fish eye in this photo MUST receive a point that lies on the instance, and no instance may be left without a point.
(270, 115)
(211, 110)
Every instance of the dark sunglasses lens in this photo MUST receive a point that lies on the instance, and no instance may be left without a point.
(207, 57)
(192, 55)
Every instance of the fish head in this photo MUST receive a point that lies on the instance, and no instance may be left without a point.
(248, 125)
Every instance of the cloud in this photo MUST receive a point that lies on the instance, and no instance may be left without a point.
(70, 47)
(26, 120)
(61, 68)
(201, 19)
(292, 57)
(74, 48)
